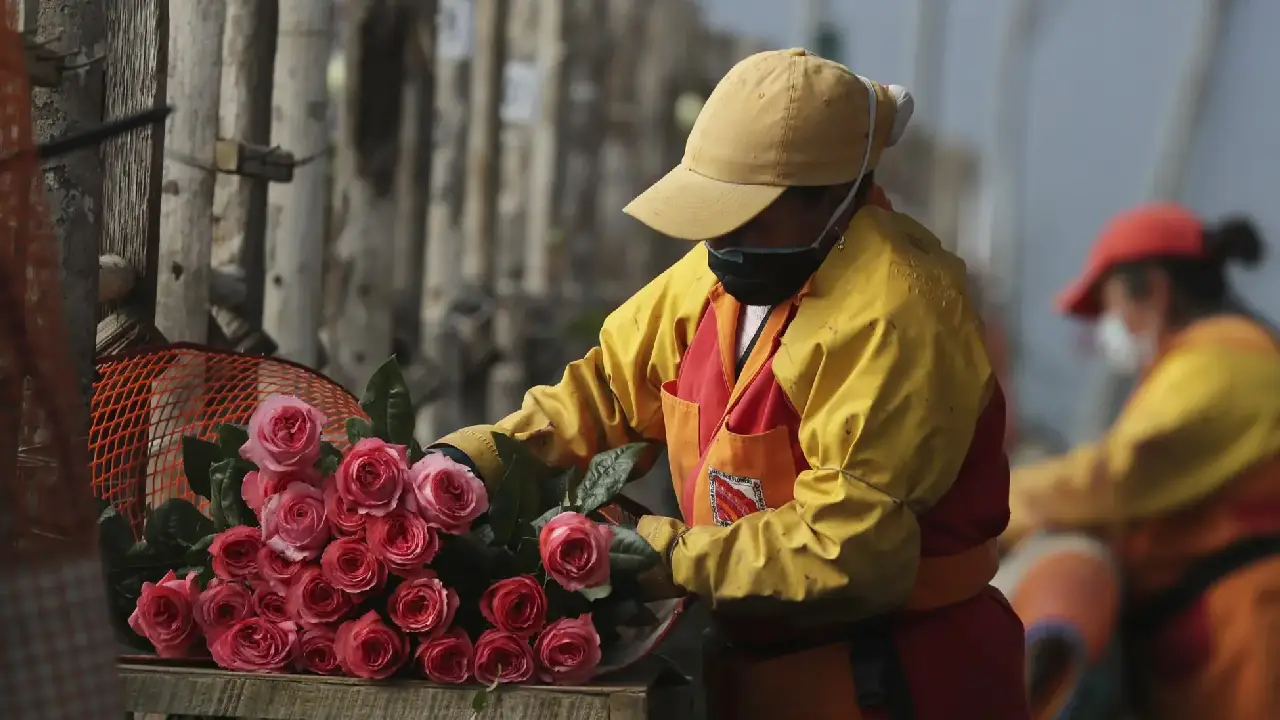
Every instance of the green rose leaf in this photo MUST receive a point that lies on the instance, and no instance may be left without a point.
(115, 537)
(416, 452)
(227, 506)
(387, 403)
(358, 429)
(199, 553)
(231, 438)
(176, 525)
(541, 521)
(629, 553)
(197, 457)
(606, 475)
(330, 459)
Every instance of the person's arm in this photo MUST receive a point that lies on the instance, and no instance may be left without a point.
(888, 405)
(613, 395)
(1204, 415)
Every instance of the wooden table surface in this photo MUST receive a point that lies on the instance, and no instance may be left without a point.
(644, 694)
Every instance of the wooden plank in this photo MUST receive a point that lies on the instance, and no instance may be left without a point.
(199, 691)
(136, 60)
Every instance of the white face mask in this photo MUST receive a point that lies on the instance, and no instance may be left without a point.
(1123, 350)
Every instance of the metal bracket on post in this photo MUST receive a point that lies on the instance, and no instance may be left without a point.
(254, 161)
(46, 66)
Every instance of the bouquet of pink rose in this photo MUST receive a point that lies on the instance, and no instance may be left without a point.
(382, 559)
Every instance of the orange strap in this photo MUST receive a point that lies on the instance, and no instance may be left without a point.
(950, 579)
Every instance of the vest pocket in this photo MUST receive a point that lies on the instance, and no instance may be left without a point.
(680, 418)
(749, 473)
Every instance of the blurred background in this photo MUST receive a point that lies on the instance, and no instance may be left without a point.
(443, 179)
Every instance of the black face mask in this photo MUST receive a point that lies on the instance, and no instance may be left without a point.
(764, 277)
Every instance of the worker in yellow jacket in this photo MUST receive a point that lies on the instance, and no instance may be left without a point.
(1185, 486)
(833, 424)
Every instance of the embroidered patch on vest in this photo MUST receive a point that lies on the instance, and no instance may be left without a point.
(734, 497)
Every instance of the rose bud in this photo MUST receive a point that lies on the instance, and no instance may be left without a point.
(351, 566)
(259, 486)
(423, 606)
(220, 606)
(568, 651)
(277, 571)
(313, 600)
(284, 434)
(257, 645)
(575, 551)
(367, 648)
(502, 657)
(344, 519)
(447, 659)
(372, 476)
(445, 493)
(165, 615)
(317, 653)
(234, 552)
(271, 605)
(294, 522)
(516, 605)
(403, 540)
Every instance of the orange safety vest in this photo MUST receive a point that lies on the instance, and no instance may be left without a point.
(734, 450)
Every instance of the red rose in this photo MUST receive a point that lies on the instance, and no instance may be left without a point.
(313, 600)
(220, 606)
(423, 606)
(516, 605)
(372, 476)
(317, 653)
(344, 519)
(367, 648)
(259, 486)
(445, 493)
(165, 615)
(502, 657)
(447, 659)
(277, 571)
(403, 540)
(575, 551)
(284, 434)
(271, 605)
(235, 552)
(294, 522)
(257, 645)
(568, 651)
(351, 566)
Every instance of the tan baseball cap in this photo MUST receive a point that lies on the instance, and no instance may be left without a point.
(778, 119)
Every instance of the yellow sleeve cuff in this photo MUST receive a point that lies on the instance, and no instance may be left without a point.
(476, 442)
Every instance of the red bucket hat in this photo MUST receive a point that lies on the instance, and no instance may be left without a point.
(1157, 230)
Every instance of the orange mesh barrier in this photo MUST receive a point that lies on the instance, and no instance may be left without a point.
(145, 401)
(57, 653)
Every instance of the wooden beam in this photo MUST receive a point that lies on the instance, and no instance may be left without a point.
(297, 211)
(137, 42)
(240, 203)
(186, 209)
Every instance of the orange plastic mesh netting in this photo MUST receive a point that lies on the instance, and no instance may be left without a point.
(145, 401)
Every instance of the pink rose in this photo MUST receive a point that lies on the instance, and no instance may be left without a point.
(423, 606)
(317, 653)
(165, 615)
(575, 551)
(271, 605)
(344, 519)
(568, 651)
(516, 605)
(351, 566)
(403, 540)
(284, 433)
(367, 648)
(260, 485)
(257, 645)
(502, 657)
(372, 476)
(313, 600)
(235, 552)
(447, 659)
(446, 493)
(294, 522)
(277, 571)
(220, 606)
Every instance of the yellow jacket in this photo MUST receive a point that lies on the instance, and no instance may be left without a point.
(884, 362)
(1208, 410)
